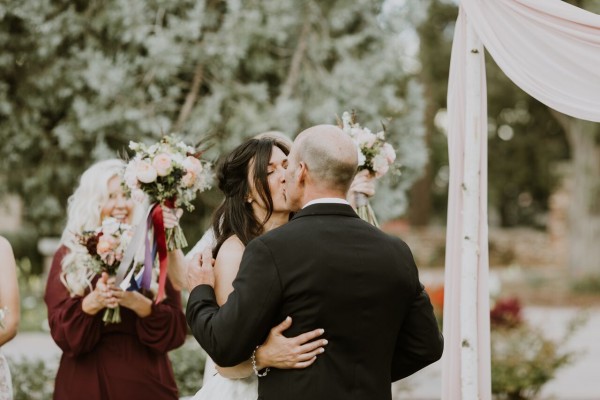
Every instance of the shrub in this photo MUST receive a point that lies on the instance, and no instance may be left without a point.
(188, 367)
(523, 360)
(32, 379)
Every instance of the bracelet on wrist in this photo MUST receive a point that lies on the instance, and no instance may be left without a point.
(256, 372)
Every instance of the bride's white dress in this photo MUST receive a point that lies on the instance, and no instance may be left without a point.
(216, 387)
(5, 381)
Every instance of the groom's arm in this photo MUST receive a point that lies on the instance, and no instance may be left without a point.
(230, 333)
(419, 341)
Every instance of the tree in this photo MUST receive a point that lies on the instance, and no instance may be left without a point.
(80, 79)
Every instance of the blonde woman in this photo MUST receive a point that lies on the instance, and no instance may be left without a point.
(116, 361)
(9, 311)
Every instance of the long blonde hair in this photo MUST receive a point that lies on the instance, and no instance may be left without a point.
(84, 214)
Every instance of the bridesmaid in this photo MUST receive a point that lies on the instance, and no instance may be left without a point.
(127, 360)
(9, 309)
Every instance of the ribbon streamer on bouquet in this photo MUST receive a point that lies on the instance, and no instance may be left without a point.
(160, 241)
(137, 241)
(154, 243)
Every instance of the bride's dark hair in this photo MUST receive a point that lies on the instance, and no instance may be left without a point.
(235, 215)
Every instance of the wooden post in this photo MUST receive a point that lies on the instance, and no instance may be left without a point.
(470, 216)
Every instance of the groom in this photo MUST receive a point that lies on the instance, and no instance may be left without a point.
(326, 268)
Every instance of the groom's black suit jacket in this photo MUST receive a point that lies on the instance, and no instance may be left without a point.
(327, 269)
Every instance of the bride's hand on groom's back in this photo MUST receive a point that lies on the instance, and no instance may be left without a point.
(282, 352)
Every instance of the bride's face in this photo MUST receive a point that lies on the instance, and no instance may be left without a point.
(118, 205)
(276, 180)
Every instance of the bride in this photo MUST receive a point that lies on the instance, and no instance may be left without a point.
(251, 178)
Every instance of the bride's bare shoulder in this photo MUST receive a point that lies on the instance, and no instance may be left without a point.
(231, 248)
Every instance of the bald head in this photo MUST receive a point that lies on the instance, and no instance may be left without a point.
(330, 156)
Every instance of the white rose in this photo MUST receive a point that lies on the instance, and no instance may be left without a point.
(138, 195)
(380, 165)
(192, 164)
(361, 158)
(110, 226)
(145, 172)
(129, 176)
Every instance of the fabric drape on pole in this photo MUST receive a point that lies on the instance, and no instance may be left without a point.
(460, 190)
(551, 50)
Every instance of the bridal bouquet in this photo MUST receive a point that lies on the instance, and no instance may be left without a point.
(105, 248)
(171, 174)
(374, 154)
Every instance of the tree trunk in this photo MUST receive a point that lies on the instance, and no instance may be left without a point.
(420, 193)
(583, 252)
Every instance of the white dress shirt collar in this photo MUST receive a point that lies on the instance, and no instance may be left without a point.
(334, 200)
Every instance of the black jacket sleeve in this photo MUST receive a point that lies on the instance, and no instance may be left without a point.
(419, 342)
(230, 333)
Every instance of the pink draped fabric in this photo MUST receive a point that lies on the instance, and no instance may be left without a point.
(552, 51)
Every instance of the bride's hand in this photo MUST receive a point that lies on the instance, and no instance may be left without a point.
(281, 352)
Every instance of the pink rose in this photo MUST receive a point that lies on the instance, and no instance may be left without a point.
(145, 172)
(104, 245)
(389, 152)
(189, 179)
(162, 163)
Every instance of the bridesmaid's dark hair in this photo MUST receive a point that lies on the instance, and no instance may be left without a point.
(235, 215)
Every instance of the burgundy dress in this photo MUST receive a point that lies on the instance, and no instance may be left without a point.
(120, 361)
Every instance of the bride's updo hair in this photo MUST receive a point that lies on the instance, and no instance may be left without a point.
(235, 215)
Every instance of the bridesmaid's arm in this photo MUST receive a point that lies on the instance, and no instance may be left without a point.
(74, 330)
(164, 328)
(9, 292)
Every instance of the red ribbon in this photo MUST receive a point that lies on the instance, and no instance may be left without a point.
(161, 246)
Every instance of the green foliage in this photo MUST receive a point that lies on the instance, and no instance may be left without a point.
(31, 288)
(32, 379)
(188, 367)
(525, 141)
(589, 284)
(81, 79)
(524, 359)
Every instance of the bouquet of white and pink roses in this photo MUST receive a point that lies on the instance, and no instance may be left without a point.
(171, 174)
(374, 154)
(105, 247)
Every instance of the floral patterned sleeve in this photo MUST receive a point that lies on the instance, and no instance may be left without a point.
(165, 328)
(74, 331)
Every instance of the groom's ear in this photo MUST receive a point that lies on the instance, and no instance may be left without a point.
(302, 173)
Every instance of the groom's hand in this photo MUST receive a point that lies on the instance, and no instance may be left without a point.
(200, 270)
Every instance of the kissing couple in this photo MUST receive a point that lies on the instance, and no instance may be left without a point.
(290, 247)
